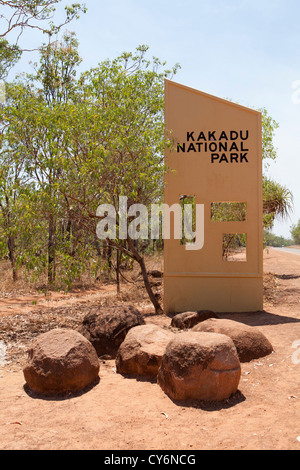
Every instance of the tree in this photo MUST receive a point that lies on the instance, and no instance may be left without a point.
(9, 56)
(55, 77)
(15, 190)
(19, 15)
(295, 231)
(33, 124)
(269, 126)
(274, 240)
(277, 201)
(116, 146)
(33, 14)
(11, 205)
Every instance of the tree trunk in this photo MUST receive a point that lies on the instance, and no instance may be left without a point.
(109, 255)
(106, 253)
(11, 253)
(156, 304)
(119, 254)
(140, 260)
(51, 251)
(97, 246)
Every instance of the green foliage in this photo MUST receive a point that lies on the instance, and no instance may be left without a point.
(57, 69)
(269, 126)
(277, 201)
(35, 14)
(9, 56)
(187, 202)
(81, 143)
(295, 232)
(275, 240)
(116, 146)
(33, 138)
(228, 211)
(233, 241)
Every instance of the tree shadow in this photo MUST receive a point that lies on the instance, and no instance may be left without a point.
(291, 291)
(259, 318)
(287, 276)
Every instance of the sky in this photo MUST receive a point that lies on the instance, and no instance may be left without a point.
(247, 51)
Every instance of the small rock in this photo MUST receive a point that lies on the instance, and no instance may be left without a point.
(155, 273)
(187, 320)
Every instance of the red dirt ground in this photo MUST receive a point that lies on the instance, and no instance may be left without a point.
(128, 414)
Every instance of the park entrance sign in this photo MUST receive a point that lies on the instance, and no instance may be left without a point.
(215, 169)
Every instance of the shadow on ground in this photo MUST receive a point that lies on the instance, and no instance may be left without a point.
(234, 400)
(62, 396)
(259, 318)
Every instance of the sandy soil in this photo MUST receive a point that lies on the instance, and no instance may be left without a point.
(129, 414)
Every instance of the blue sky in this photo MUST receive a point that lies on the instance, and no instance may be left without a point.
(246, 51)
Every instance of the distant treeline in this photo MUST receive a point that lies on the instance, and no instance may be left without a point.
(277, 241)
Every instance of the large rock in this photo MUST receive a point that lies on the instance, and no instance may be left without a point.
(142, 350)
(61, 361)
(187, 320)
(200, 366)
(107, 327)
(249, 341)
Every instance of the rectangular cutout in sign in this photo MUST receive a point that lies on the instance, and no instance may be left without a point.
(188, 218)
(228, 211)
(234, 247)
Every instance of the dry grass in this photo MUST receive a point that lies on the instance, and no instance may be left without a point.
(26, 284)
(270, 288)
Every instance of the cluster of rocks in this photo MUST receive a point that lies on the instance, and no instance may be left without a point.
(198, 357)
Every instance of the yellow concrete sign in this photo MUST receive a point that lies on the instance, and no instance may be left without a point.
(215, 170)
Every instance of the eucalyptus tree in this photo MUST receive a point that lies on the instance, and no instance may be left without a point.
(12, 192)
(277, 198)
(9, 56)
(35, 117)
(45, 135)
(15, 186)
(295, 232)
(116, 143)
(19, 15)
